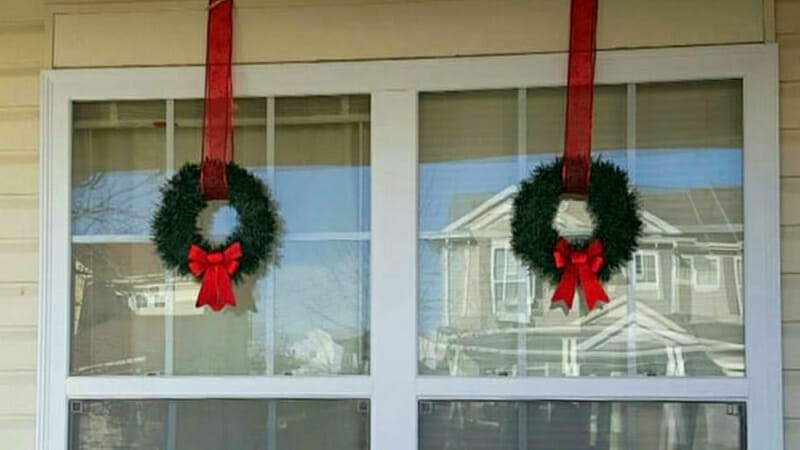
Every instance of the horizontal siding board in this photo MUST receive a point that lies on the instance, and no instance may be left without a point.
(790, 198)
(790, 286)
(23, 10)
(790, 152)
(18, 433)
(19, 303)
(791, 394)
(19, 173)
(19, 263)
(789, 46)
(19, 128)
(791, 434)
(363, 31)
(787, 16)
(790, 249)
(791, 345)
(19, 88)
(18, 394)
(19, 350)
(790, 105)
(22, 46)
(22, 217)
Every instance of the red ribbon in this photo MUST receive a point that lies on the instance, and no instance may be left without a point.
(218, 114)
(580, 92)
(579, 265)
(216, 269)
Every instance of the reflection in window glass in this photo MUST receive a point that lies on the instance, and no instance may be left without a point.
(220, 424)
(488, 425)
(307, 316)
(679, 315)
(118, 165)
(645, 266)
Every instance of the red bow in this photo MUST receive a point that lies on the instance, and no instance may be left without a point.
(582, 265)
(216, 268)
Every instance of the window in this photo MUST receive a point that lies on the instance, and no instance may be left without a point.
(578, 425)
(706, 273)
(646, 267)
(511, 286)
(398, 318)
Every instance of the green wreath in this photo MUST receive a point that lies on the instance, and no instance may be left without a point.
(175, 227)
(613, 206)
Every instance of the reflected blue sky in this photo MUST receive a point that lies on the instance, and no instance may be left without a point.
(337, 198)
(441, 183)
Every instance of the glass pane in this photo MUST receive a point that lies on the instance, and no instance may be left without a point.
(680, 315)
(307, 316)
(118, 166)
(219, 424)
(689, 173)
(475, 319)
(118, 303)
(249, 133)
(322, 309)
(487, 425)
(322, 163)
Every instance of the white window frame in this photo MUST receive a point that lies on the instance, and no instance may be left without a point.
(706, 287)
(394, 387)
(648, 285)
(523, 313)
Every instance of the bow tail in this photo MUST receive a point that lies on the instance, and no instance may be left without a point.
(216, 290)
(592, 289)
(226, 296)
(565, 291)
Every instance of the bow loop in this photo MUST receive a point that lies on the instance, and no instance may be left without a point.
(216, 268)
(580, 266)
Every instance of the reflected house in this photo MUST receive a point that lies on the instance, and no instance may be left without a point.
(686, 280)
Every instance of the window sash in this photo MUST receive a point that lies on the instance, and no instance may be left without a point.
(393, 387)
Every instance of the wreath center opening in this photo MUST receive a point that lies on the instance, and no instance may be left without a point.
(217, 221)
(573, 220)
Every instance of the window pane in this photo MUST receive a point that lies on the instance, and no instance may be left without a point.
(249, 137)
(322, 163)
(118, 308)
(118, 165)
(307, 316)
(674, 318)
(219, 424)
(485, 425)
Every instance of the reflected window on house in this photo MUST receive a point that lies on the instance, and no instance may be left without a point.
(706, 272)
(511, 286)
(646, 269)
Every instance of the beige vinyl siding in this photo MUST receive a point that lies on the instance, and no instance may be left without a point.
(22, 56)
(787, 25)
(112, 34)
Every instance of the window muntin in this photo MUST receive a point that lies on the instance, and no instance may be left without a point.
(219, 424)
(507, 425)
(476, 145)
(307, 316)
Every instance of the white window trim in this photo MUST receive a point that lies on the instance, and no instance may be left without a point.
(393, 386)
(523, 313)
(648, 285)
(703, 287)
